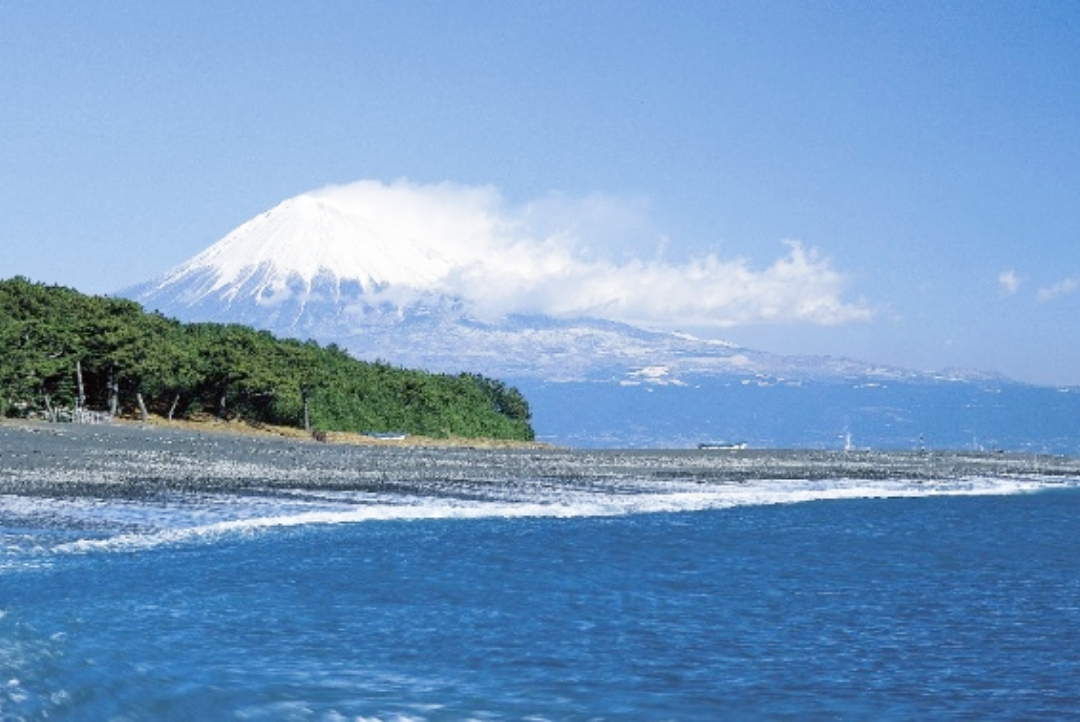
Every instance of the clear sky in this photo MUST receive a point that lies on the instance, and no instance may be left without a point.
(928, 153)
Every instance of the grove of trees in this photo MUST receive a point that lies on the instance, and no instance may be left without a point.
(62, 349)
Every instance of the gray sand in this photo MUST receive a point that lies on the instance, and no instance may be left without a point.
(130, 460)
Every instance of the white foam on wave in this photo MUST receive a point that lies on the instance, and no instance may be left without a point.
(210, 517)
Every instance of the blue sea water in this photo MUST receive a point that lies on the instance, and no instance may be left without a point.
(808, 414)
(768, 599)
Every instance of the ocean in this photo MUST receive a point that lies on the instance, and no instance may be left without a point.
(158, 575)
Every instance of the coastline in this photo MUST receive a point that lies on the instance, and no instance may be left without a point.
(133, 459)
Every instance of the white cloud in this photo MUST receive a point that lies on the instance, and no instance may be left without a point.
(1061, 288)
(707, 291)
(1009, 282)
(561, 256)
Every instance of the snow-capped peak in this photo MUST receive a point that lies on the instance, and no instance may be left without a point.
(308, 237)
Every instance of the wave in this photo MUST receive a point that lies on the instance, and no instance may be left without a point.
(42, 527)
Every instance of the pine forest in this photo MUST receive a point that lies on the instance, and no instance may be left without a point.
(63, 353)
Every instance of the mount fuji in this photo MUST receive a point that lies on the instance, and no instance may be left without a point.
(320, 266)
(314, 267)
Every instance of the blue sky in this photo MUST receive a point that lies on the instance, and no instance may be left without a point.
(928, 152)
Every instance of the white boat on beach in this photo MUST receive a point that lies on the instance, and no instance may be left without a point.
(386, 435)
(722, 446)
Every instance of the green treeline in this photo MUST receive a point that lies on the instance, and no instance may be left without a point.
(128, 361)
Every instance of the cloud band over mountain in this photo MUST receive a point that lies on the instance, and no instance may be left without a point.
(560, 257)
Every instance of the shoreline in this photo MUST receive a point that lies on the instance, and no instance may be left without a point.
(134, 459)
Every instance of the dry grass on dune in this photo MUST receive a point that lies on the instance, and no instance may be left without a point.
(209, 423)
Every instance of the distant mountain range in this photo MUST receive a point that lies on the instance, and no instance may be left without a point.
(313, 267)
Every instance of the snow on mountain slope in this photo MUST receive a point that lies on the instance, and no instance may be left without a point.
(286, 251)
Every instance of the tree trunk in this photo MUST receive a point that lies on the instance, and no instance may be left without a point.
(51, 415)
(142, 407)
(80, 401)
(114, 392)
(307, 417)
(172, 409)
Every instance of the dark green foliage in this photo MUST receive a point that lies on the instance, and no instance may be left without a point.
(227, 370)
